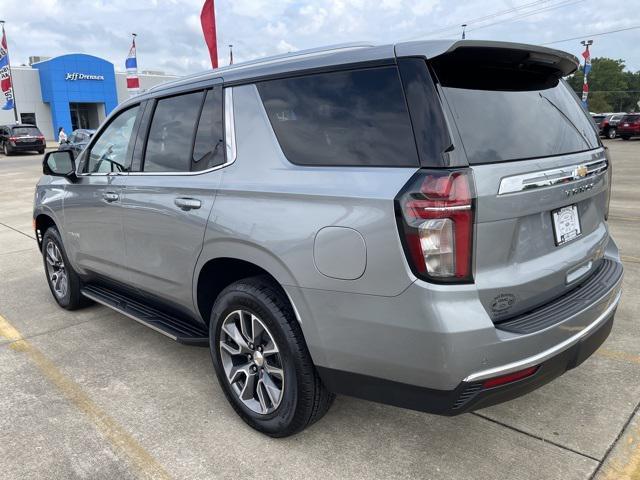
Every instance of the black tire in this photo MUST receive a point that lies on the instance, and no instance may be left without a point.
(41, 151)
(6, 149)
(611, 133)
(624, 137)
(304, 398)
(72, 299)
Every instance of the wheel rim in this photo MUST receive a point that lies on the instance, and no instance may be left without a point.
(56, 270)
(612, 133)
(252, 362)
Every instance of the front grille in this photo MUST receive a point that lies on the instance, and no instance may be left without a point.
(595, 287)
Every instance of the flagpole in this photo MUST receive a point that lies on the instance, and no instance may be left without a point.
(13, 87)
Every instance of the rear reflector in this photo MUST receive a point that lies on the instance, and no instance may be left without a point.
(435, 218)
(511, 377)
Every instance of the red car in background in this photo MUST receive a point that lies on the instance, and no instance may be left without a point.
(629, 126)
(607, 123)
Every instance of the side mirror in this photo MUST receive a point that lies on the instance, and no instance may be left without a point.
(59, 163)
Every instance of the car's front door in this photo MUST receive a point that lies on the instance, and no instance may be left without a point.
(94, 237)
(167, 202)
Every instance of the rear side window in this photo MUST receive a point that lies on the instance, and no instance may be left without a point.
(504, 112)
(630, 118)
(170, 140)
(208, 150)
(350, 118)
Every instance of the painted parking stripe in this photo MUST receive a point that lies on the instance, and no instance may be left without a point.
(122, 442)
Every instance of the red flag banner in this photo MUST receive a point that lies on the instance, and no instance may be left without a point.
(208, 21)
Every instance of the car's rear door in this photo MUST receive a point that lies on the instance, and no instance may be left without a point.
(168, 200)
(541, 175)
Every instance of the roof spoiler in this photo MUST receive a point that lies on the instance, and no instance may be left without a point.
(562, 63)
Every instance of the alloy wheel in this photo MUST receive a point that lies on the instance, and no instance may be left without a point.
(611, 133)
(56, 270)
(252, 361)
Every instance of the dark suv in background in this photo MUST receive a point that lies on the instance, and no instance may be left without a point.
(21, 138)
(608, 124)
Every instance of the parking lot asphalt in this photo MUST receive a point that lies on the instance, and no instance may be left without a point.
(93, 394)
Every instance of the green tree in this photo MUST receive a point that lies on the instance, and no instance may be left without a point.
(610, 85)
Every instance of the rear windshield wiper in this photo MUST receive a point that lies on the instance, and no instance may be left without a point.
(564, 115)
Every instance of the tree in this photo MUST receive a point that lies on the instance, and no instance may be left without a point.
(610, 85)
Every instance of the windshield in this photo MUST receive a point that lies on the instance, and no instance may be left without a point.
(23, 131)
(539, 120)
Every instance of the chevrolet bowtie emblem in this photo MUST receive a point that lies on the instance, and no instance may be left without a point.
(582, 171)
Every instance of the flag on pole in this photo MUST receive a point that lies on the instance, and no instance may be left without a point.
(587, 68)
(208, 21)
(133, 82)
(5, 74)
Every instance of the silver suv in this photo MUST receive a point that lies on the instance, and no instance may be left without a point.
(420, 224)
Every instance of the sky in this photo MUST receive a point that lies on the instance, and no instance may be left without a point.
(170, 36)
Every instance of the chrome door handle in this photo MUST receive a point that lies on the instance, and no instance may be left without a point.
(110, 196)
(187, 203)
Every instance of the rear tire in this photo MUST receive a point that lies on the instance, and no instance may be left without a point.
(63, 281)
(611, 133)
(41, 151)
(624, 137)
(6, 149)
(284, 394)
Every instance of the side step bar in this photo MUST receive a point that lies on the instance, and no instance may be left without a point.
(179, 330)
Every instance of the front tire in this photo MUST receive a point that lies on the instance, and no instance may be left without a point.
(63, 281)
(611, 133)
(262, 361)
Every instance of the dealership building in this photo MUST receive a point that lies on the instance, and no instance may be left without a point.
(70, 91)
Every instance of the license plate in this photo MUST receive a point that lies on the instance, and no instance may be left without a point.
(566, 224)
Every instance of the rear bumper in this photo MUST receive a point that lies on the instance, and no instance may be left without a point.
(470, 394)
(26, 148)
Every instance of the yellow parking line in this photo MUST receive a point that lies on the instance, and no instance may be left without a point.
(119, 438)
(625, 464)
(617, 355)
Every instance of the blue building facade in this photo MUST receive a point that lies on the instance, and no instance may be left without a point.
(79, 89)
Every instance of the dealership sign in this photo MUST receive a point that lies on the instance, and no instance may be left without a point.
(82, 76)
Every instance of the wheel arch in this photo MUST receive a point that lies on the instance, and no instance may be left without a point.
(42, 222)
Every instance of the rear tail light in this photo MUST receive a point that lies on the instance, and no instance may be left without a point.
(435, 219)
(13, 139)
(609, 181)
(40, 137)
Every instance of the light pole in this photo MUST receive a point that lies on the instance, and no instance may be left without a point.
(464, 27)
(586, 69)
(230, 54)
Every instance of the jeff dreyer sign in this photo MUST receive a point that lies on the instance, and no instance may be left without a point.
(82, 76)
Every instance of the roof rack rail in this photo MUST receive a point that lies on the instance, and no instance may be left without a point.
(312, 52)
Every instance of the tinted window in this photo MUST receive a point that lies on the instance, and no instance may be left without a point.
(356, 118)
(33, 131)
(208, 149)
(170, 138)
(110, 151)
(501, 125)
(630, 118)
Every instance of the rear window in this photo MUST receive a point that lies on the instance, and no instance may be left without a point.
(505, 113)
(630, 118)
(350, 118)
(19, 131)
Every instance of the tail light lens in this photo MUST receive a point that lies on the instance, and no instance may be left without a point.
(435, 218)
(13, 139)
(609, 181)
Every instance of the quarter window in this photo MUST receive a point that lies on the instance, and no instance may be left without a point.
(110, 151)
(170, 140)
(349, 118)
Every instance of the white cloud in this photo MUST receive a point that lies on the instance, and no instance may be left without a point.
(170, 36)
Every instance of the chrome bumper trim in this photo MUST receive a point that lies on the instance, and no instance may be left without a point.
(551, 352)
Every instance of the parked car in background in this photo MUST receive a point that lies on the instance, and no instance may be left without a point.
(629, 126)
(77, 141)
(21, 138)
(608, 124)
(346, 220)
